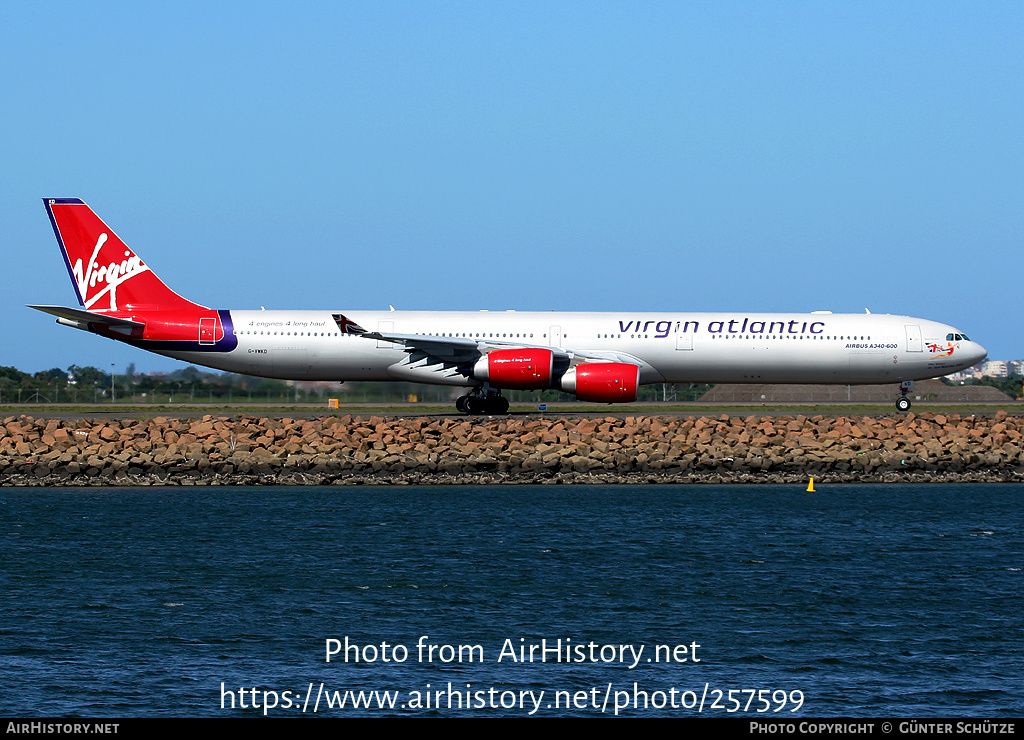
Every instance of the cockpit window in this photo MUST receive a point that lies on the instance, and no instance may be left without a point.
(957, 338)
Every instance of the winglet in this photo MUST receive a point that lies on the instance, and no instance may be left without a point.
(346, 324)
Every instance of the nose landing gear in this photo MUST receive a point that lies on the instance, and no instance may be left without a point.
(903, 403)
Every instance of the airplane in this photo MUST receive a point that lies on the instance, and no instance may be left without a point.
(598, 357)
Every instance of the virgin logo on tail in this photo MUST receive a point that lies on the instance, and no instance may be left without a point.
(105, 278)
(108, 276)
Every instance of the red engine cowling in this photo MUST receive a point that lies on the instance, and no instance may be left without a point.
(516, 369)
(603, 382)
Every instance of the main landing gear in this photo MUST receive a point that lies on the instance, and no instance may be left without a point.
(903, 403)
(479, 401)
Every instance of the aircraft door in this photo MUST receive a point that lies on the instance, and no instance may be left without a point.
(914, 341)
(555, 336)
(684, 340)
(208, 330)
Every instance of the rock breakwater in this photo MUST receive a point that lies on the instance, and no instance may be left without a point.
(373, 450)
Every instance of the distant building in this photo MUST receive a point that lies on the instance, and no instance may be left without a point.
(989, 369)
(995, 369)
(970, 373)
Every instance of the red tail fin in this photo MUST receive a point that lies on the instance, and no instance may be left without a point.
(107, 275)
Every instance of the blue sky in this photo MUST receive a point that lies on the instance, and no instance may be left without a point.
(783, 156)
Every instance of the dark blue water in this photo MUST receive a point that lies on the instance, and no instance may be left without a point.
(864, 600)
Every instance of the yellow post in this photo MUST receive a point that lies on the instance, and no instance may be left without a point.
(810, 486)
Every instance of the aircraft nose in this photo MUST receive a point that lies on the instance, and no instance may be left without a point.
(976, 353)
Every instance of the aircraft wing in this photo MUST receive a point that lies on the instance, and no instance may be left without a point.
(445, 349)
(458, 348)
(436, 359)
(451, 349)
(463, 347)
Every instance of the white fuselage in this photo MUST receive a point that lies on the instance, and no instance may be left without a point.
(669, 347)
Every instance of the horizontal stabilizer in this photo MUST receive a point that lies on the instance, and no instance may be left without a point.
(82, 316)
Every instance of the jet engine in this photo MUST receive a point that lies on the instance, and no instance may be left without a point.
(517, 369)
(603, 382)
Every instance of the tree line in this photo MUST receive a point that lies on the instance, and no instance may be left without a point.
(1011, 386)
(89, 384)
